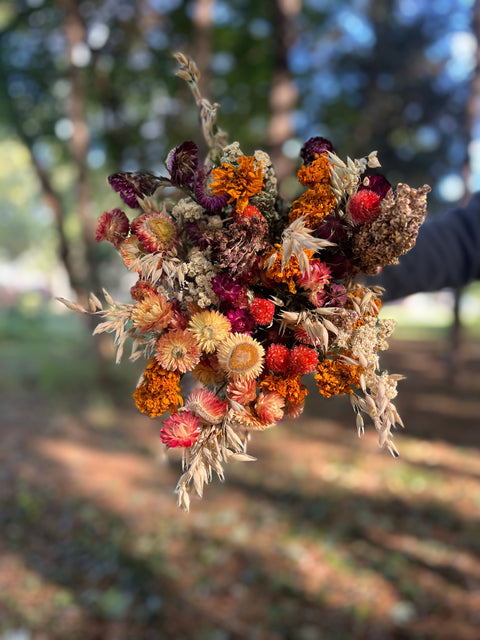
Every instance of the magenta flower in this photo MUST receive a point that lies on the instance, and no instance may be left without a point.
(378, 184)
(131, 186)
(315, 147)
(241, 321)
(205, 198)
(226, 287)
(182, 164)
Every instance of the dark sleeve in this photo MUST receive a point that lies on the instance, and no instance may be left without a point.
(447, 254)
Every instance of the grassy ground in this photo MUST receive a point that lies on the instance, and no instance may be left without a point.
(324, 536)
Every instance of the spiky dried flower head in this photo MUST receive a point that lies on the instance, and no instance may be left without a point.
(112, 226)
(177, 350)
(206, 406)
(262, 311)
(278, 358)
(156, 231)
(238, 182)
(141, 289)
(158, 391)
(180, 430)
(364, 206)
(210, 328)
(152, 313)
(241, 356)
(303, 360)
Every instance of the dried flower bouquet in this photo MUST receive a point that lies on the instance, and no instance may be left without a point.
(248, 294)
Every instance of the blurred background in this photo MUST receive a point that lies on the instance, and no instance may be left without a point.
(324, 536)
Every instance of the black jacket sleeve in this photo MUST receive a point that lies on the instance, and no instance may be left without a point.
(447, 254)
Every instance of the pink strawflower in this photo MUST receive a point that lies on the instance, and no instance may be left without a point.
(180, 430)
(320, 275)
(156, 231)
(112, 226)
(269, 407)
(278, 358)
(294, 409)
(262, 311)
(242, 391)
(364, 206)
(303, 360)
(206, 406)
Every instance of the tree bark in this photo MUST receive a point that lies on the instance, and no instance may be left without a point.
(284, 93)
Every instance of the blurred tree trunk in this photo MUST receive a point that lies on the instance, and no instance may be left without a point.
(284, 93)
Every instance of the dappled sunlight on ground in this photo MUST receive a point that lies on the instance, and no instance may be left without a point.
(324, 536)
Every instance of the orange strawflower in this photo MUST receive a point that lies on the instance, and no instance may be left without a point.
(314, 204)
(159, 391)
(239, 183)
(334, 377)
(288, 386)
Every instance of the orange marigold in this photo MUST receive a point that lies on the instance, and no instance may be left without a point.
(239, 183)
(316, 172)
(334, 377)
(314, 204)
(288, 386)
(159, 391)
(290, 271)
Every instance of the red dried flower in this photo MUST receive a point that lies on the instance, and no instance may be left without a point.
(112, 226)
(278, 358)
(364, 206)
(262, 311)
(303, 360)
(180, 430)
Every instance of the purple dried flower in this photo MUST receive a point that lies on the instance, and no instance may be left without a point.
(331, 228)
(226, 288)
(206, 199)
(241, 321)
(337, 295)
(131, 186)
(197, 236)
(378, 184)
(182, 164)
(313, 147)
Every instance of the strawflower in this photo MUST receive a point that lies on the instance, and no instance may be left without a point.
(180, 430)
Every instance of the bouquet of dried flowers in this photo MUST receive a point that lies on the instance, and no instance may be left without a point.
(247, 294)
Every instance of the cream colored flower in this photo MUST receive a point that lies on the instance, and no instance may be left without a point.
(209, 329)
(241, 356)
